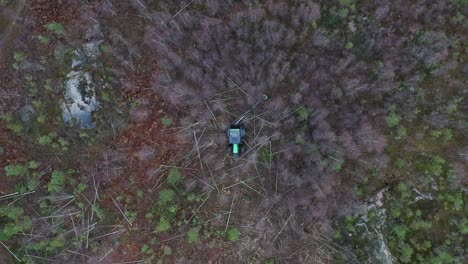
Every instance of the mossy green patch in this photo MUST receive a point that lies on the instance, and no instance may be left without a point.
(166, 121)
(165, 196)
(57, 181)
(193, 235)
(56, 28)
(174, 176)
(233, 234)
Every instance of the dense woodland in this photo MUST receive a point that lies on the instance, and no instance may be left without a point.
(113, 118)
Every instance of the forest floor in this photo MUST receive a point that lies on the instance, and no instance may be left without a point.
(359, 155)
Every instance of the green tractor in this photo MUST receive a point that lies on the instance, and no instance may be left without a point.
(236, 131)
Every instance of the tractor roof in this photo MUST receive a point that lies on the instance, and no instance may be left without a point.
(234, 136)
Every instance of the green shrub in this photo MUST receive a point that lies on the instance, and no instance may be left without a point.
(464, 226)
(302, 113)
(443, 257)
(9, 119)
(44, 40)
(331, 18)
(401, 132)
(133, 105)
(80, 188)
(166, 121)
(265, 155)
(15, 170)
(314, 24)
(163, 224)
(218, 233)
(56, 28)
(400, 163)
(405, 192)
(448, 134)
(166, 196)
(57, 181)
(460, 3)
(47, 139)
(173, 209)
(15, 127)
(33, 184)
(393, 119)
(15, 222)
(149, 216)
(55, 244)
(361, 44)
(406, 253)
(14, 213)
(427, 245)
(337, 235)
(32, 164)
(103, 48)
(395, 210)
(349, 224)
(44, 140)
(346, 2)
(19, 56)
(167, 251)
(436, 133)
(338, 166)
(233, 234)
(454, 106)
(193, 235)
(63, 143)
(458, 202)
(437, 165)
(359, 192)
(416, 225)
(174, 176)
(146, 249)
(9, 230)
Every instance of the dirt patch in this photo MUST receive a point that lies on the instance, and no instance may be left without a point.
(45, 12)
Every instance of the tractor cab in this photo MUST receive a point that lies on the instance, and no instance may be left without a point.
(236, 132)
